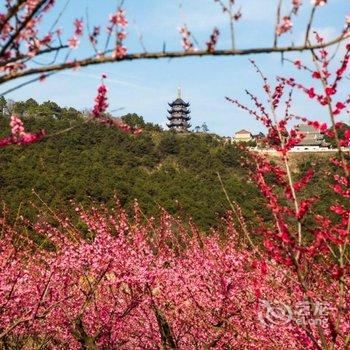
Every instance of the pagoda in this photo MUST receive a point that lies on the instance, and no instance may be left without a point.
(179, 115)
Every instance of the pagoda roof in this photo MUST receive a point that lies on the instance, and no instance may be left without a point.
(178, 122)
(179, 118)
(170, 111)
(179, 102)
(183, 125)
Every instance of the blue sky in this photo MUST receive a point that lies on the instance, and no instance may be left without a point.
(145, 87)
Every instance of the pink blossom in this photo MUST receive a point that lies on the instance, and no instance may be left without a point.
(78, 24)
(298, 64)
(18, 134)
(285, 26)
(46, 40)
(17, 128)
(119, 18)
(119, 52)
(28, 138)
(73, 42)
(186, 39)
(101, 103)
(193, 282)
(319, 2)
(6, 141)
(296, 3)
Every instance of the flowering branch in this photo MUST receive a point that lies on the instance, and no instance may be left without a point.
(19, 25)
(289, 242)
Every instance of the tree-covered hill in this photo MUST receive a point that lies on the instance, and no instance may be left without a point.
(94, 163)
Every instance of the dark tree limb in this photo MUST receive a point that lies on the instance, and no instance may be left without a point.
(160, 55)
(13, 37)
(11, 13)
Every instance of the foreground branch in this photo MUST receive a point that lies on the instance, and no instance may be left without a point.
(159, 55)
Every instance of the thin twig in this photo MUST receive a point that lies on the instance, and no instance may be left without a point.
(308, 28)
(278, 20)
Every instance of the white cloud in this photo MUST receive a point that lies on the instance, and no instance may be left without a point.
(109, 80)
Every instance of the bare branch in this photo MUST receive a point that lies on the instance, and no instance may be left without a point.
(308, 28)
(161, 55)
(59, 16)
(26, 57)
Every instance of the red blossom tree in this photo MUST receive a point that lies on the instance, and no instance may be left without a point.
(301, 245)
(139, 284)
(152, 286)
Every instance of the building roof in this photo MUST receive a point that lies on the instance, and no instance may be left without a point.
(179, 102)
(306, 128)
(260, 135)
(310, 142)
(179, 114)
(243, 132)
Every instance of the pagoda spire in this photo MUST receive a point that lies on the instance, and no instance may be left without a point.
(179, 92)
(179, 114)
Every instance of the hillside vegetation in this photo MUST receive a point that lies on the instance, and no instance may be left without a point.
(94, 163)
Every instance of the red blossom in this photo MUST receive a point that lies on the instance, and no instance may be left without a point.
(311, 92)
(78, 25)
(330, 90)
(338, 209)
(42, 77)
(237, 16)
(101, 103)
(304, 181)
(94, 35)
(100, 107)
(298, 64)
(18, 134)
(211, 44)
(337, 272)
(340, 105)
(316, 75)
(119, 52)
(304, 207)
(194, 285)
